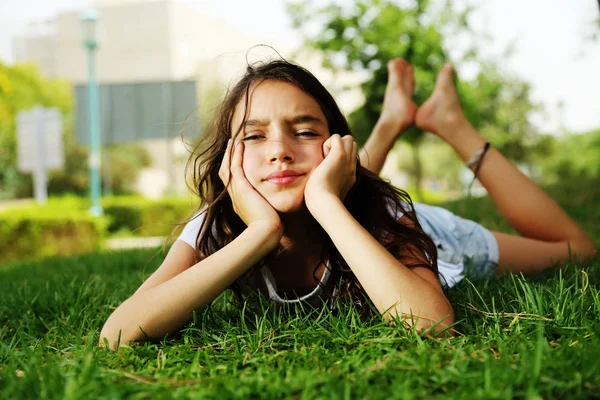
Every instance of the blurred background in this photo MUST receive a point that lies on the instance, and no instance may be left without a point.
(527, 77)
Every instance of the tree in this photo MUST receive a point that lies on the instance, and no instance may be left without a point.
(21, 88)
(364, 35)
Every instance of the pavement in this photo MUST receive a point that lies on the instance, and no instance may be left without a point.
(135, 243)
(16, 203)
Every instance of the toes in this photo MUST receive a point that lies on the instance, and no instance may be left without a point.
(398, 70)
(396, 63)
(445, 76)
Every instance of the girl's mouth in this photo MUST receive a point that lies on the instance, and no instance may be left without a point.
(284, 180)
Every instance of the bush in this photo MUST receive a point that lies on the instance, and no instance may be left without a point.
(145, 217)
(38, 232)
(124, 161)
(63, 226)
(574, 157)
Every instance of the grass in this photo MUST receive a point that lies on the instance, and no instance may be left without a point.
(519, 338)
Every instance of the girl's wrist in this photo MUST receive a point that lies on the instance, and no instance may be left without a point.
(319, 206)
(270, 232)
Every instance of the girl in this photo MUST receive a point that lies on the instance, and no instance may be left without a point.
(288, 211)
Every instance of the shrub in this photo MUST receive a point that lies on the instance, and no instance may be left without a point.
(63, 226)
(38, 232)
(145, 217)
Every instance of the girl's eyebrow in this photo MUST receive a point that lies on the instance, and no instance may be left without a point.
(298, 119)
(306, 118)
(256, 122)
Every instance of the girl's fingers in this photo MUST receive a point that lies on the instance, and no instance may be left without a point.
(236, 162)
(348, 141)
(345, 145)
(337, 143)
(224, 170)
(349, 145)
(327, 146)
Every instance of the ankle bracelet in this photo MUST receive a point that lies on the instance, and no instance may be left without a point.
(476, 160)
(478, 157)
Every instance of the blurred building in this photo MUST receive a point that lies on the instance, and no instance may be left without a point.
(144, 41)
(140, 41)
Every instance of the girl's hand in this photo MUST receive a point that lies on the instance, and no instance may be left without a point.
(336, 175)
(251, 207)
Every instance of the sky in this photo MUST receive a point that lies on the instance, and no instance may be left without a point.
(552, 49)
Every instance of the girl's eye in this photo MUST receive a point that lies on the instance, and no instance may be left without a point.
(251, 137)
(307, 134)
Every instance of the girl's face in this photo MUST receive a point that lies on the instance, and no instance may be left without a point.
(283, 141)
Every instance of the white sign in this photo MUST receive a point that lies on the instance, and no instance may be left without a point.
(39, 146)
(39, 139)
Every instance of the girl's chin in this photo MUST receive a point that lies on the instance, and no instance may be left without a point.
(288, 206)
(290, 209)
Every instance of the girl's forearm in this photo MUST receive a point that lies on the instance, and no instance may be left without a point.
(165, 308)
(378, 145)
(388, 283)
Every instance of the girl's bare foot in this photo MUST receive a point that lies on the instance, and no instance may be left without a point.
(441, 112)
(398, 108)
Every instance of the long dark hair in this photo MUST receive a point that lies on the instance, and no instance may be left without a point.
(373, 202)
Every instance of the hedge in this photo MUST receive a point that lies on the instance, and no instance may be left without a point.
(63, 226)
(144, 217)
(37, 232)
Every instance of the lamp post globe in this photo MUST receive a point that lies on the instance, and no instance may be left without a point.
(89, 22)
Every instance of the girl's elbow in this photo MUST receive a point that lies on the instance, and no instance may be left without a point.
(113, 338)
(591, 249)
(110, 339)
(584, 248)
(440, 323)
(437, 320)
(114, 333)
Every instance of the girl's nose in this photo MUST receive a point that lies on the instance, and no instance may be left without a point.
(280, 150)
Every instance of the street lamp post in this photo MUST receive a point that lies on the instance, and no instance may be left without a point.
(89, 20)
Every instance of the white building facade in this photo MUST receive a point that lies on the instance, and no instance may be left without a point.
(141, 41)
(145, 41)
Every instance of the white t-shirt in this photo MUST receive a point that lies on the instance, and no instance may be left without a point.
(189, 234)
(452, 273)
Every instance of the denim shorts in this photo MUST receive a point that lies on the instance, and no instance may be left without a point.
(465, 248)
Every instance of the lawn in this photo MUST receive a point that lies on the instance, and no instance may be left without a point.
(518, 338)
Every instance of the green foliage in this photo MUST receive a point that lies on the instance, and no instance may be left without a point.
(23, 87)
(363, 36)
(123, 161)
(63, 226)
(38, 232)
(573, 157)
(138, 215)
(439, 162)
(499, 107)
(144, 217)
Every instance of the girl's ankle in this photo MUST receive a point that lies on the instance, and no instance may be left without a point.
(454, 127)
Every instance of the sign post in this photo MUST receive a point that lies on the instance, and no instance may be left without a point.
(39, 146)
(89, 19)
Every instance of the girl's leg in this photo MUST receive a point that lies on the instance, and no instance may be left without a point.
(549, 235)
(398, 113)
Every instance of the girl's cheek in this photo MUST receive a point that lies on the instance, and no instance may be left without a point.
(249, 164)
